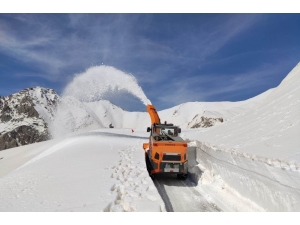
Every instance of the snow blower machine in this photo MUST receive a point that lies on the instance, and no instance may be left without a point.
(166, 151)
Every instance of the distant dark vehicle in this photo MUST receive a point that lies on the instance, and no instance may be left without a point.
(111, 126)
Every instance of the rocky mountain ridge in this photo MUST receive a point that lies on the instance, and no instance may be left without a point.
(24, 116)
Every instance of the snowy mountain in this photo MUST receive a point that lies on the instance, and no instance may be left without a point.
(268, 126)
(249, 162)
(24, 116)
(73, 115)
(37, 114)
(206, 114)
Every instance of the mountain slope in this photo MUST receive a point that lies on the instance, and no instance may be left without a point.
(24, 116)
(73, 115)
(270, 129)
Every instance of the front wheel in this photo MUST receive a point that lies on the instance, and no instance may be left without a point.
(152, 176)
(149, 167)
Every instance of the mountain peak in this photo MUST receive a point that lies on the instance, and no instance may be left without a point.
(25, 115)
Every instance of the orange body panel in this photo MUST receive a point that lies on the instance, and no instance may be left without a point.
(168, 147)
(145, 146)
(153, 114)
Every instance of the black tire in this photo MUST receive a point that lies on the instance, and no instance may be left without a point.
(149, 167)
(147, 163)
(152, 176)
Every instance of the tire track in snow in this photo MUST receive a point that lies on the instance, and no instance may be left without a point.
(181, 195)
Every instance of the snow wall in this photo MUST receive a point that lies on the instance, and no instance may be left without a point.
(272, 184)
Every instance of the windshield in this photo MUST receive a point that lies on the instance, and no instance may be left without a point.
(171, 131)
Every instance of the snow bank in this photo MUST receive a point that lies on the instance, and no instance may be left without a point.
(272, 185)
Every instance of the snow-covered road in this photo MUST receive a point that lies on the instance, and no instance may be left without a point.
(101, 170)
(104, 170)
(182, 195)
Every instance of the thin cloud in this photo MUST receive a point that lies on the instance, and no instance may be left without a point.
(165, 52)
(97, 38)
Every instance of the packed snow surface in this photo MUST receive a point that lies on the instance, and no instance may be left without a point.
(95, 171)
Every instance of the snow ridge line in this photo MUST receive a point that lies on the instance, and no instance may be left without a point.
(270, 162)
(266, 177)
(47, 152)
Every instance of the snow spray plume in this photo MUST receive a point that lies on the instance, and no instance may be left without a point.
(97, 83)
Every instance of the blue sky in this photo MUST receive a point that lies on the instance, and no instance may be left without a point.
(176, 58)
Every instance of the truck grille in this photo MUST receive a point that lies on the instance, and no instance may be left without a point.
(171, 157)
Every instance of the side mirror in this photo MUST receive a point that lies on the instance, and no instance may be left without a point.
(148, 129)
(179, 130)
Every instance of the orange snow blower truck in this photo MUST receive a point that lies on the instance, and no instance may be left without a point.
(166, 152)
